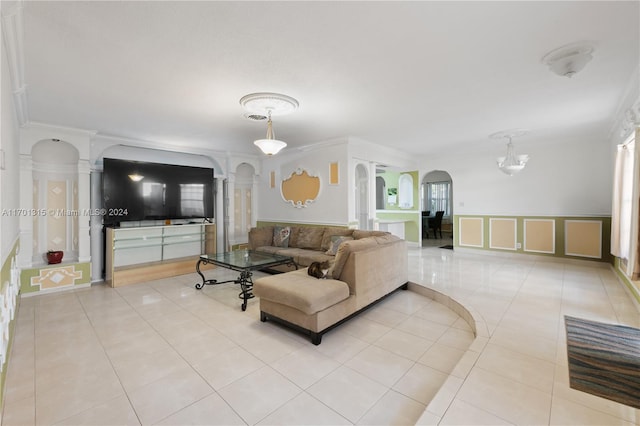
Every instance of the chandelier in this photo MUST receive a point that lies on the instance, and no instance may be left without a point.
(511, 163)
(261, 106)
(270, 145)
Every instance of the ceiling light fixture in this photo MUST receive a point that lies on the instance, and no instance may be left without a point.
(268, 104)
(270, 145)
(568, 60)
(511, 163)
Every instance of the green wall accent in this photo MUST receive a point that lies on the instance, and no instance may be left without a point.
(26, 275)
(631, 285)
(5, 276)
(559, 235)
(391, 181)
(411, 217)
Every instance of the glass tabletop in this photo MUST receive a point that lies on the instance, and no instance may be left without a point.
(246, 259)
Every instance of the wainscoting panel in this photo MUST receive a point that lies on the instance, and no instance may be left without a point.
(540, 235)
(586, 237)
(471, 232)
(502, 233)
(583, 238)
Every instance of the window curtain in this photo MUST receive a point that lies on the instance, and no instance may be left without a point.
(622, 208)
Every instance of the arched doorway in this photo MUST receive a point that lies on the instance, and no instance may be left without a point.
(362, 196)
(436, 194)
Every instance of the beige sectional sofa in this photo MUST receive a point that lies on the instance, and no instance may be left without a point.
(305, 244)
(364, 269)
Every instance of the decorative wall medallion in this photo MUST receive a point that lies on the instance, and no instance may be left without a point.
(300, 188)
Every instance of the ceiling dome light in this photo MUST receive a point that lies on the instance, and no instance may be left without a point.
(569, 60)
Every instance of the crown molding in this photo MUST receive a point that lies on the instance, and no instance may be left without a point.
(58, 128)
(13, 36)
(627, 115)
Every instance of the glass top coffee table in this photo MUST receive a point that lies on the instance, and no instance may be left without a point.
(245, 262)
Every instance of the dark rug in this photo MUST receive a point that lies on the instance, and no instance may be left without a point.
(604, 360)
(447, 247)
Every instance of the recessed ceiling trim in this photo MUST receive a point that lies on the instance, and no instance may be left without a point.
(264, 103)
(511, 133)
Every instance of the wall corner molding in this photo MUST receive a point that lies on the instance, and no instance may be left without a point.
(13, 37)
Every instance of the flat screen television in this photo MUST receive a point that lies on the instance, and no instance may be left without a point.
(135, 191)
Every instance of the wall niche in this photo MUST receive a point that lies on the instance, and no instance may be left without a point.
(55, 199)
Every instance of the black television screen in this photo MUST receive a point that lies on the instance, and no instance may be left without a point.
(135, 190)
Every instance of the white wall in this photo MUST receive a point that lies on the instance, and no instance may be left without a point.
(562, 178)
(9, 176)
(330, 207)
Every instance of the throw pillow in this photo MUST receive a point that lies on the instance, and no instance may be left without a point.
(281, 236)
(336, 240)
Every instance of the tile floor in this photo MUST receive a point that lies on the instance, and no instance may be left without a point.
(165, 353)
(515, 371)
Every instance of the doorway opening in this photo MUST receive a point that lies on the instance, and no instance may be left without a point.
(436, 199)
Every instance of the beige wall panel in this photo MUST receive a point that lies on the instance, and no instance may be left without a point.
(471, 231)
(56, 223)
(237, 211)
(502, 234)
(36, 218)
(583, 238)
(247, 210)
(540, 235)
(334, 175)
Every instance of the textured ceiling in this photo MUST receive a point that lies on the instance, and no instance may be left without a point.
(419, 76)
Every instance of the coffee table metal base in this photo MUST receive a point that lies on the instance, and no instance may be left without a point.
(245, 281)
(246, 272)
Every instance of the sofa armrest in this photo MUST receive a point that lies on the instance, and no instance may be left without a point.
(386, 266)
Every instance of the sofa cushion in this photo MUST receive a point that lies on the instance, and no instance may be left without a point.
(300, 291)
(302, 257)
(260, 237)
(281, 236)
(308, 237)
(332, 231)
(269, 249)
(293, 238)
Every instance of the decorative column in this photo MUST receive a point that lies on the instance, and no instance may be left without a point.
(372, 196)
(84, 204)
(95, 226)
(220, 215)
(231, 210)
(254, 200)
